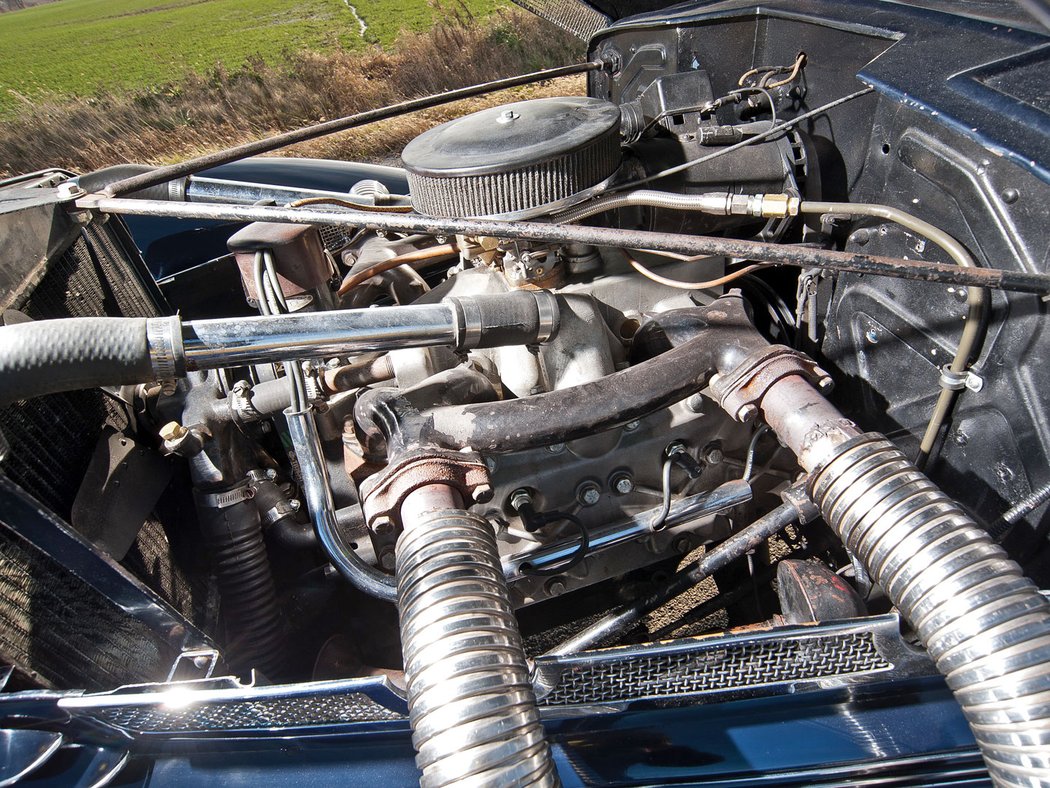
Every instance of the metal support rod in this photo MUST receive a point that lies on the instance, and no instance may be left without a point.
(693, 245)
(682, 512)
(736, 546)
(268, 144)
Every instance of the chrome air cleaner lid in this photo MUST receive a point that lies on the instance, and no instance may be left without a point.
(513, 159)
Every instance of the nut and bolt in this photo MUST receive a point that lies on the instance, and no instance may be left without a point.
(588, 493)
(622, 483)
(714, 455)
(383, 525)
(746, 413)
(68, 190)
(173, 431)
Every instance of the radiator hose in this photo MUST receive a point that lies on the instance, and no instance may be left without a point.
(471, 702)
(985, 625)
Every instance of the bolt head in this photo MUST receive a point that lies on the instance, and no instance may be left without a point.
(826, 384)
(556, 448)
(695, 403)
(714, 456)
(746, 413)
(172, 431)
(242, 387)
(295, 504)
(556, 587)
(383, 525)
(483, 493)
(631, 426)
(589, 494)
(624, 485)
(388, 561)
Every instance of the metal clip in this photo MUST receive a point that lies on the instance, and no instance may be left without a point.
(957, 381)
(199, 658)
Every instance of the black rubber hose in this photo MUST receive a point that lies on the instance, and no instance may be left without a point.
(736, 546)
(46, 356)
(719, 336)
(255, 633)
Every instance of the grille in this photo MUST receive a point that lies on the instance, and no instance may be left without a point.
(709, 665)
(574, 16)
(52, 625)
(767, 663)
(52, 438)
(249, 715)
(62, 632)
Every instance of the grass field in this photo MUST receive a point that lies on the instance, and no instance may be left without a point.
(227, 105)
(79, 48)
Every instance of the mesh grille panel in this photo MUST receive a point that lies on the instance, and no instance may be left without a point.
(65, 633)
(52, 624)
(572, 15)
(297, 712)
(722, 668)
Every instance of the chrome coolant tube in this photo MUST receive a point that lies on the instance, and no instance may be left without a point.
(985, 625)
(471, 702)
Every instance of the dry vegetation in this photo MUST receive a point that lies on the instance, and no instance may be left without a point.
(227, 107)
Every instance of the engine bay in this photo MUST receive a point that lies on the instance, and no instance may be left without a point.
(728, 350)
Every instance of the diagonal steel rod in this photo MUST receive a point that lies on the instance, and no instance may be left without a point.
(783, 254)
(190, 166)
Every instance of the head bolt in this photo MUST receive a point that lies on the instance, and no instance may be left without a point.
(483, 493)
(714, 456)
(588, 493)
(383, 525)
(622, 483)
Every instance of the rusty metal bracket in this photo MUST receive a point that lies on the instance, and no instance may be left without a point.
(383, 493)
(740, 392)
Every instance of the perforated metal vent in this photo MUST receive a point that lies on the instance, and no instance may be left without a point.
(514, 160)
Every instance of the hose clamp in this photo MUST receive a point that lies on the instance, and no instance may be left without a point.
(164, 339)
(226, 498)
(466, 319)
(547, 311)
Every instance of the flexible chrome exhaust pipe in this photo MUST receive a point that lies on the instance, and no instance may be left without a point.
(986, 626)
(470, 697)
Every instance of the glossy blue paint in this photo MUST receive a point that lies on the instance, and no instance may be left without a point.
(170, 246)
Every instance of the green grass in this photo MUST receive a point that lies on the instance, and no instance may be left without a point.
(84, 47)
